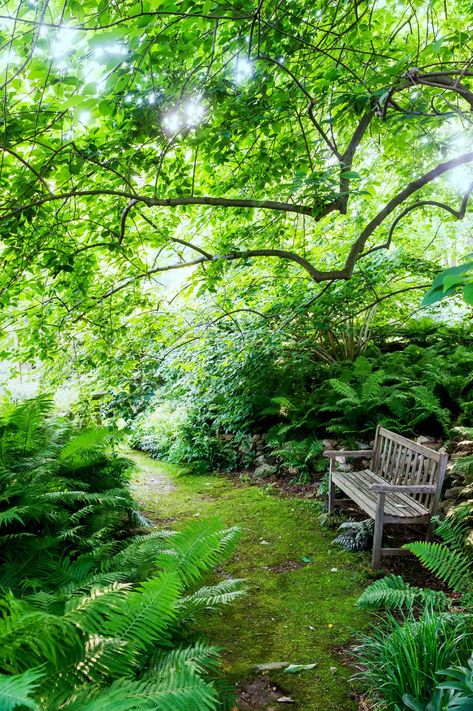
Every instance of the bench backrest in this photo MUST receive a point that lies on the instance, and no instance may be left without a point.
(399, 460)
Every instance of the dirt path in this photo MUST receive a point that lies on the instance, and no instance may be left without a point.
(301, 598)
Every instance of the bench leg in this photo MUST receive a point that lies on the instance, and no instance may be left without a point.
(331, 495)
(429, 536)
(378, 533)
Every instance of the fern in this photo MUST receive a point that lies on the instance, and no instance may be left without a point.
(454, 527)
(177, 691)
(453, 567)
(344, 389)
(77, 606)
(393, 593)
(17, 690)
(198, 549)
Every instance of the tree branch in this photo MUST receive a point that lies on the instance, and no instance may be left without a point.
(459, 214)
(409, 190)
(169, 202)
(27, 165)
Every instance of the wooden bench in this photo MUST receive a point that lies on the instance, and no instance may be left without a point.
(402, 485)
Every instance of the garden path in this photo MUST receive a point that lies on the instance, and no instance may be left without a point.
(301, 598)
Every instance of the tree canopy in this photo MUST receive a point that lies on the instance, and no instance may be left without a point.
(269, 150)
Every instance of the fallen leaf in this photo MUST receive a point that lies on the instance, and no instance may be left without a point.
(295, 668)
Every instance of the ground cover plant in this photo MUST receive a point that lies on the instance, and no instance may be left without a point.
(94, 601)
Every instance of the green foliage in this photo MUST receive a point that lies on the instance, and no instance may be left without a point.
(450, 560)
(93, 610)
(207, 411)
(253, 151)
(403, 656)
(355, 535)
(463, 462)
(406, 648)
(449, 281)
(454, 693)
(16, 690)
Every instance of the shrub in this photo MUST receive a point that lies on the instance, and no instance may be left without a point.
(299, 399)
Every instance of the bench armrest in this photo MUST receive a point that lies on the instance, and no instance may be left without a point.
(334, 453)
(403, 488)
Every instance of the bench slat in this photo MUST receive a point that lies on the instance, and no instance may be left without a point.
(409, 444)
(357, 486)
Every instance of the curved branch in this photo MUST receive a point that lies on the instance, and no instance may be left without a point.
(458, 214)
(442, 80)
(410, 189)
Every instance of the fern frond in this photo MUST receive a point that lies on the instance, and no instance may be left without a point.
(201, 657)
(453, 567)
(211, 597)
(453, 528)
(177, 691)
(343, 389)
(198, 549)
(371, 387)
(393, 593)
(92, 440)
(145, 615)
(17, 690)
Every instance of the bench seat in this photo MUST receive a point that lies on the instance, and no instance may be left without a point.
(397, 506)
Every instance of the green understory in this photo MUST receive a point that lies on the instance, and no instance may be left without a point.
(303, 615)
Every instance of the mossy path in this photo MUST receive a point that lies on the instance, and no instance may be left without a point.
(300, 606)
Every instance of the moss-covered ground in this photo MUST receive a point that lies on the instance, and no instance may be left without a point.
(300, 606)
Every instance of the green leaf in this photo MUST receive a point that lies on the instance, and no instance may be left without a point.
(351, 174)
(468, 293)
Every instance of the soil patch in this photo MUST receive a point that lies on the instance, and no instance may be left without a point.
(261, 695)
(286, 566)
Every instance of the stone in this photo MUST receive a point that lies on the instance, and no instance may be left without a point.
(363, 445)
(454, 493)
(341, 460)
(293, 471)
(265, 470)
(260, 459)
(344, 467)
(436, 446)
(423, 439)
(329, 443)
(467, 492)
